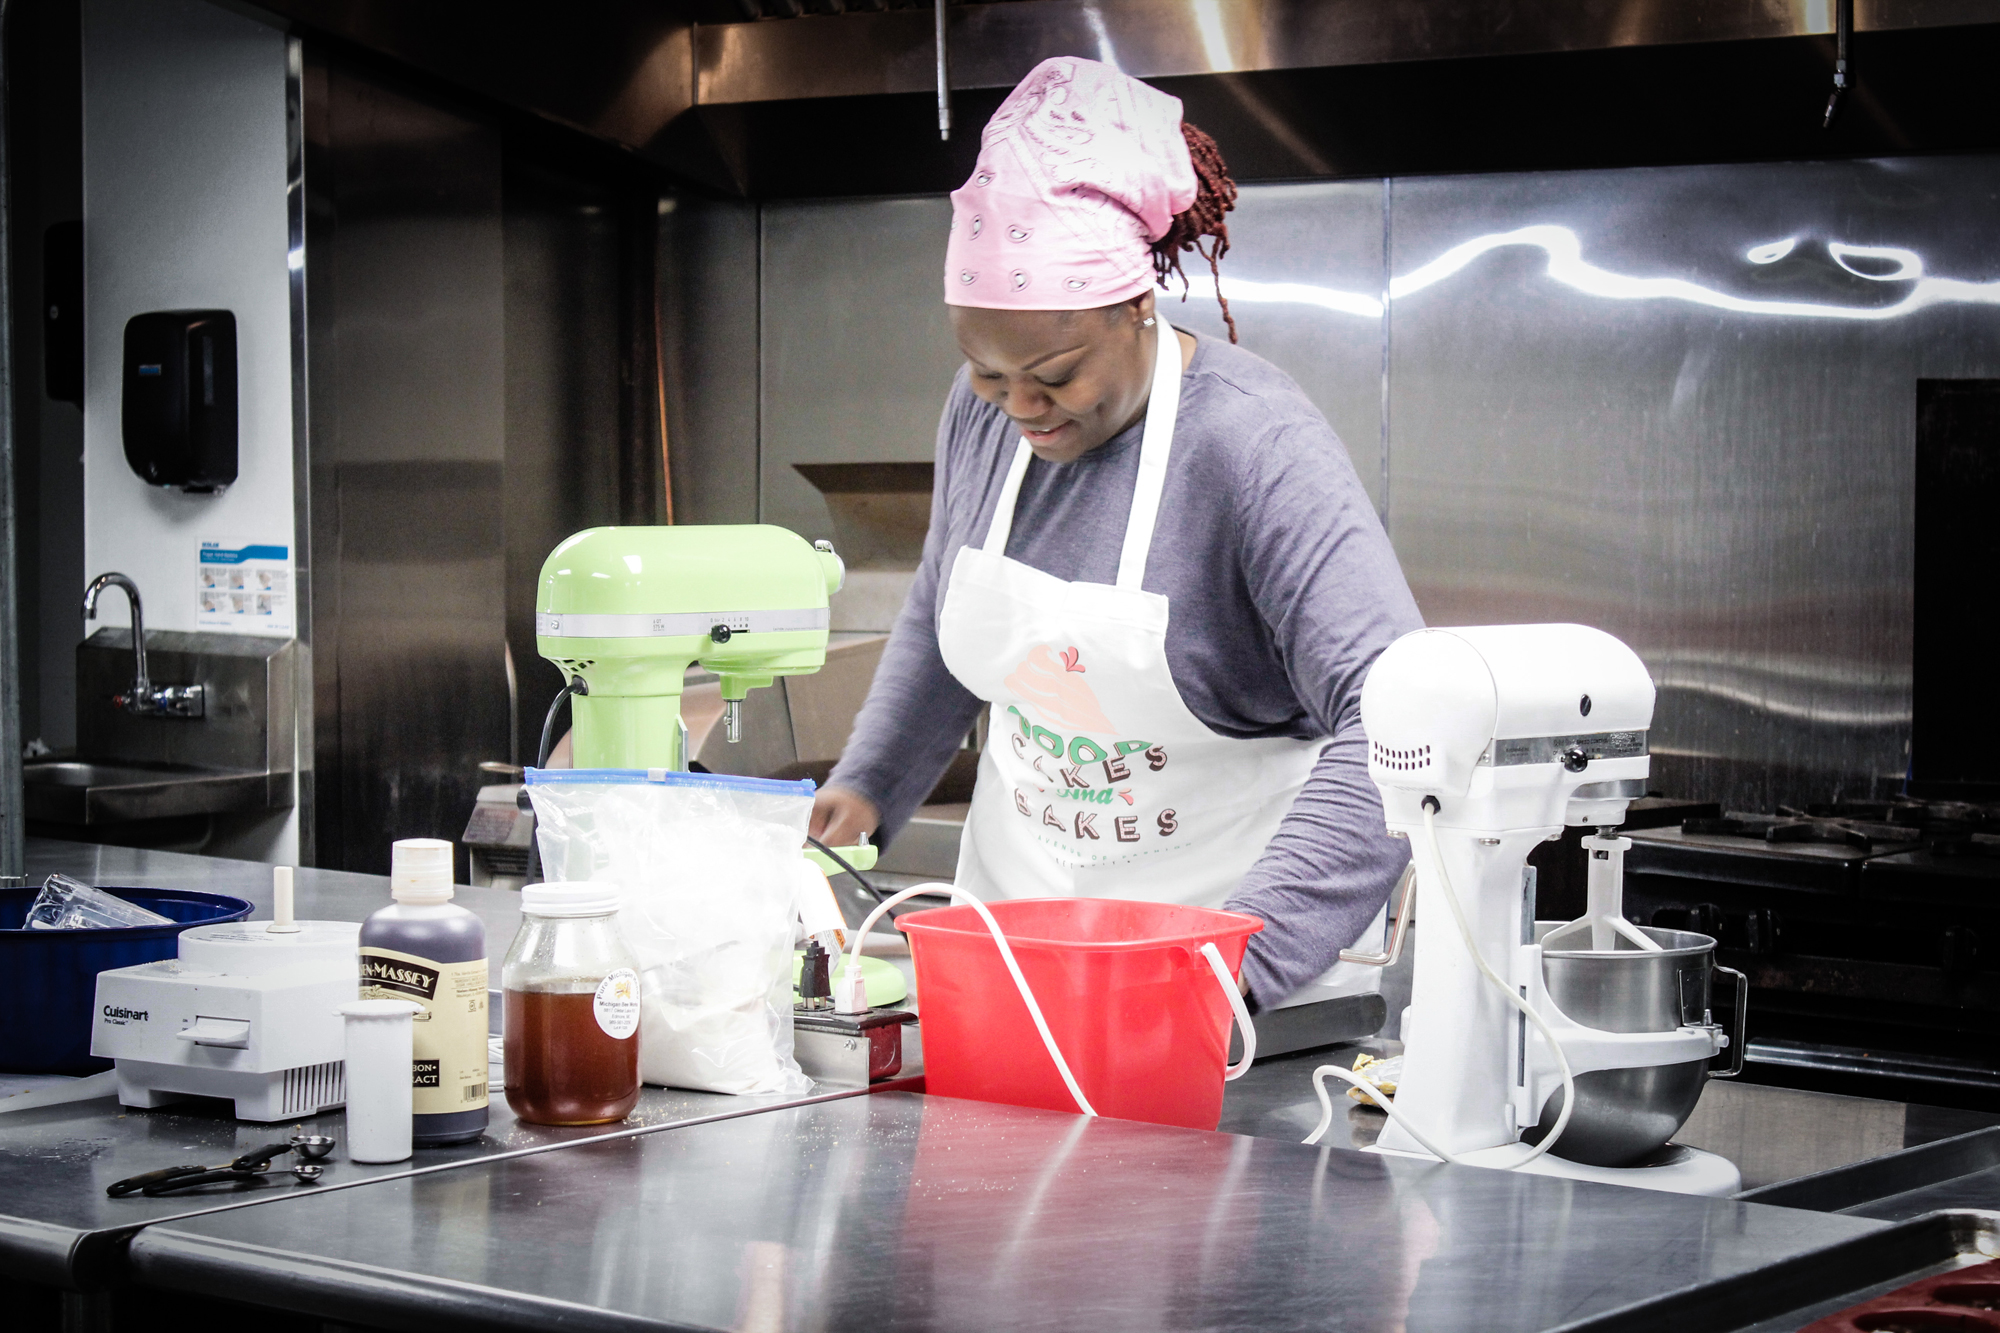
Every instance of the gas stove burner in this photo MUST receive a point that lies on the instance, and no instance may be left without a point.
(1910, 813)
(1927, 817)
(1949, 828)
(1835, 832)
(1792, 826)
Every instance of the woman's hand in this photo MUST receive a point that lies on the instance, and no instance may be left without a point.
(841, 815)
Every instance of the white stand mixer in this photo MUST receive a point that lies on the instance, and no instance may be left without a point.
(1484, 742)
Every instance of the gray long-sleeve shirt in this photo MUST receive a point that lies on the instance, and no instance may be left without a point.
(1282, 589)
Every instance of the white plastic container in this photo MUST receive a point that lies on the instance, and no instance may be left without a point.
(379, 1095)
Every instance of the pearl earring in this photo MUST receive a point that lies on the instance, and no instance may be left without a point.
(1148, 324)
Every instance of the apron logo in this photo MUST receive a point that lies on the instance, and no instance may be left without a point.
(1057, 690)
(1083, 824)
(1077, 768)
(1081, 751)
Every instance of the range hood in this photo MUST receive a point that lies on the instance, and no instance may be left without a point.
(839, 97)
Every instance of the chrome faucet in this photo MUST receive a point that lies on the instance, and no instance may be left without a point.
(141, 698)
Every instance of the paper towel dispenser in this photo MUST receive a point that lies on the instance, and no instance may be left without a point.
(179, 411)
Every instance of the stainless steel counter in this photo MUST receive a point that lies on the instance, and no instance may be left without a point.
(899, 1211)
(57, 1226)
(892, 1210)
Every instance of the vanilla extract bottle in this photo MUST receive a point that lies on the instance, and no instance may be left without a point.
(424, 949)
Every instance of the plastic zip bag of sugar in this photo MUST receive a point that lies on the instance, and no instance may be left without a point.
(706, 866)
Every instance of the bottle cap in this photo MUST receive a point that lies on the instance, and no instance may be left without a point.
(571, 899)
(420, 871)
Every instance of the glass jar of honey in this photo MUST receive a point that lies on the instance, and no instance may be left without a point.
(570, 987)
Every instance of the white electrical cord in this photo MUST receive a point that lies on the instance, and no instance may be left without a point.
(1513, 998)
(851, 973)
(1528, 1010)
(1375, 1095)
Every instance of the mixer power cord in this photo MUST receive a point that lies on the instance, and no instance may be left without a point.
(1376, 1096)
(841, 861)
(577, 685)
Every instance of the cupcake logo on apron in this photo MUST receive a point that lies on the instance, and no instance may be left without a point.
(1055, 688)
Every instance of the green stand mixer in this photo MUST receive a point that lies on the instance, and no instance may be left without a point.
(624, 612)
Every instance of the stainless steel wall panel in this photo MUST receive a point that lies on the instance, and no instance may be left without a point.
(407, 398)
(483, 382)
(858, 352)
(1678, 404)
(708, 293)
(1304, 278)
(855, 346)
(562, 295)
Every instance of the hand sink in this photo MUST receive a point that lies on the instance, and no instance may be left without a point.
(111, 791)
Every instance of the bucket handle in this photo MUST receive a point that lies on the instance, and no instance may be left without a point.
(1238, 1010)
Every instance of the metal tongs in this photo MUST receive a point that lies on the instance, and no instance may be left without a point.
(248, 1166)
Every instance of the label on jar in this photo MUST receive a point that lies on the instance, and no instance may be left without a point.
(617, 1004)
(448, 1039)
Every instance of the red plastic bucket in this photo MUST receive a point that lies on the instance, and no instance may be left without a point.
(1132, 1004)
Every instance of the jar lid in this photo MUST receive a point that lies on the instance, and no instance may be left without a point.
(571, 899)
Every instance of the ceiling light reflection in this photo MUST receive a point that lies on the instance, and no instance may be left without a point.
(1568, 266)
(1772, 253)
(1909, 264)
(1302, 293)
(1105, 51)
(1214, 41)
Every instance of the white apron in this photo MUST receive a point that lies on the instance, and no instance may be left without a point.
(1096, 780)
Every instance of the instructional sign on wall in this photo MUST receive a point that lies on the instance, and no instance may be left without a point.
(246, 587)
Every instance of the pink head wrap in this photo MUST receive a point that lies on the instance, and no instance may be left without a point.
(1080, 170)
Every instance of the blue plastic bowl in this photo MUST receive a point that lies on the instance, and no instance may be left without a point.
(48, 978)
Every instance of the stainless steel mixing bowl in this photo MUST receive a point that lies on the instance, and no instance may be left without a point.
(1623, 1114)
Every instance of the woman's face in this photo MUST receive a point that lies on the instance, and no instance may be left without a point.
(1070, 379)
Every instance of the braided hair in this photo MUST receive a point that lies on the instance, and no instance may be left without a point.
(1215, 195)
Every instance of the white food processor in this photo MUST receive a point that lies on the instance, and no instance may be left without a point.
(245, 1013)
